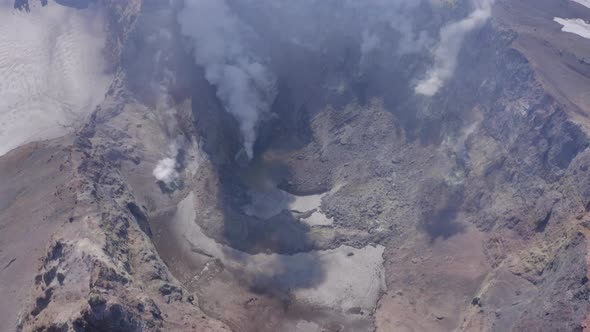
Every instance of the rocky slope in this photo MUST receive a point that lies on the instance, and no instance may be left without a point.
(364, 208)
(100, 271)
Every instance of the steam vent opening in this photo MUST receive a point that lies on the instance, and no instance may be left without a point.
(299, 166)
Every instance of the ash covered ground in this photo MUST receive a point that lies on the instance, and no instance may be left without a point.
(261, 165)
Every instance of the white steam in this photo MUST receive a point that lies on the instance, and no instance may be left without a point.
(244, 85)
(369, 43)
(223, 42)
(447, 51)
(166, 172)
(167, 169)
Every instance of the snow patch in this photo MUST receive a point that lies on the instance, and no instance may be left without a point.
(267, 204)
(574, 25)
(352, 278)
(51, 71)
(583, 2)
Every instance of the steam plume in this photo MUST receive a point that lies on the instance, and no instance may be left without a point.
(369, 43)
(166, 172)
(166, 169)
(244, 85)
(447, 51)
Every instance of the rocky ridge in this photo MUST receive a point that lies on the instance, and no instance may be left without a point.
(479, 198)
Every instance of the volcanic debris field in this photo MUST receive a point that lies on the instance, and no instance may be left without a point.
(263, 165)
